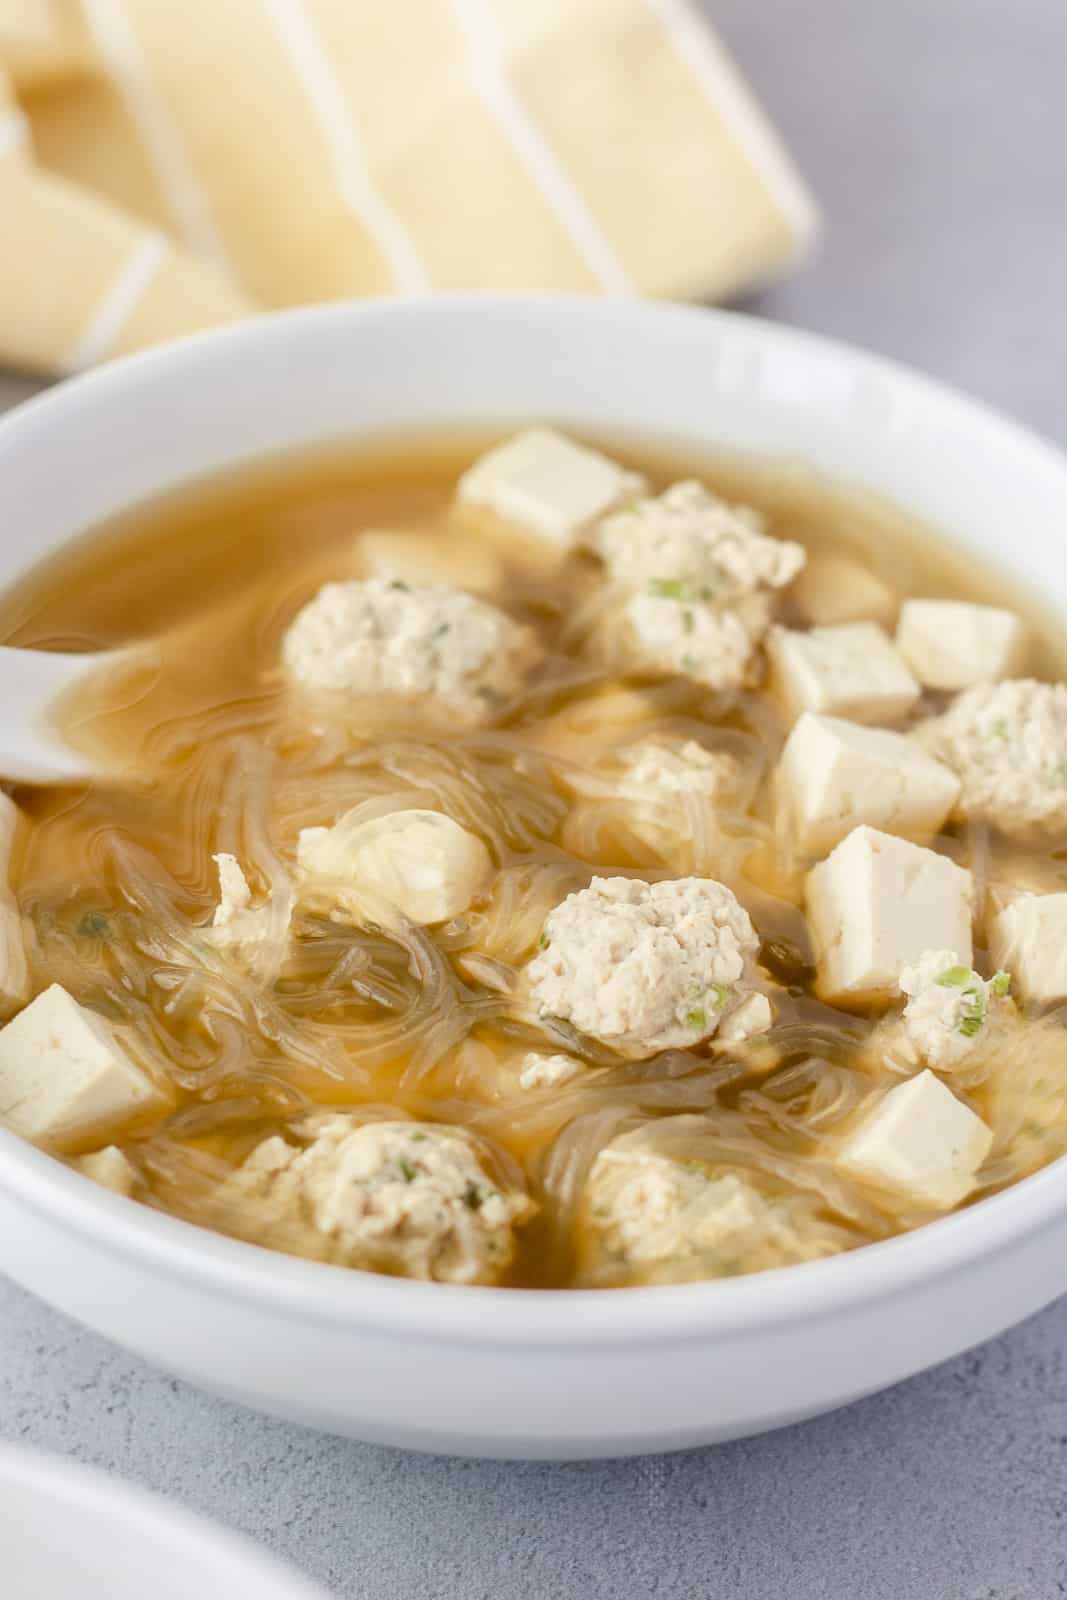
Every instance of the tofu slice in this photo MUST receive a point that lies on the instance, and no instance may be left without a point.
(548, 485)
(834, 589)
(919, 1141)
(64, 1075)
(951, 644)
(875, 904)
(1029, 940)
(850, 670)
(447, 559)
(14, 973)
(834, 775)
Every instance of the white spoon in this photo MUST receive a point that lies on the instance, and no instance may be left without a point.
(33, 684)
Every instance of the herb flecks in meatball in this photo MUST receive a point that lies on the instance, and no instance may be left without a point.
(698, 575)
(690, 539)
(647, 1217)
(407, 1198)
(382, 636)
(949, 1007)
(716, 645)
(646, 967)
(1008, 744)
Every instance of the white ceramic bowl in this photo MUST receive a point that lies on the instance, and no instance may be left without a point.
(70, 1531)
(499, 1372)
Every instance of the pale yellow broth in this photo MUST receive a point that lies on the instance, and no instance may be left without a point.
(210, 751)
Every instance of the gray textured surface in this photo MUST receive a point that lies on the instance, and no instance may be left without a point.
(935, 132)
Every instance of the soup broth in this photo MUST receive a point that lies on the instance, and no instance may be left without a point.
(206, 747)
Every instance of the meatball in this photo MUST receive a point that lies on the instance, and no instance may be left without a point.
(949, 1007)
(663, 768)
(645, 967)
(382, 636)
(690, 538)
(649, 1218)
(1008, 744)
(421, 863)
(408, 1198)
(672, 789)
(715, 644)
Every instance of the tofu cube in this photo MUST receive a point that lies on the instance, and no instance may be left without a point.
(1029, 940)
(110, 1169)
(951, 644)
(64, 1075)
(14, 974)
(835, 588)
(453, 560)
(919, 1141)
(548, 485)
(834, 775)
(875, 904)
(851, 670)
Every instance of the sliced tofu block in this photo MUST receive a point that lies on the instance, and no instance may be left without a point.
(951, 644)
(851, 670)
(14, 974)
(420, 863)
(455, 560)
(547, 484)
(875, 904)
(834, 775)
(110, 1169)
(919, 1141)
(1029, 940)
(840, 589)
(746, 1021)
(64, 1075)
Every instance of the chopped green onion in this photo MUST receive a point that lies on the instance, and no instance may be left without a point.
(543, 940)
(697, 1018)
(974, 1008)
(667, 588)
(1000, 728)
(94, 925)
(407, 1170)
(689, 621)
(1000, 982)
(953, 977)
(721, 991)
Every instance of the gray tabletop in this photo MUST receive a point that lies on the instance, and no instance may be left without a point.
(935, 133)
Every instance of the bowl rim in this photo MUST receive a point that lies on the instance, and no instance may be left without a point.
(64, 1481)
(344, 1297)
